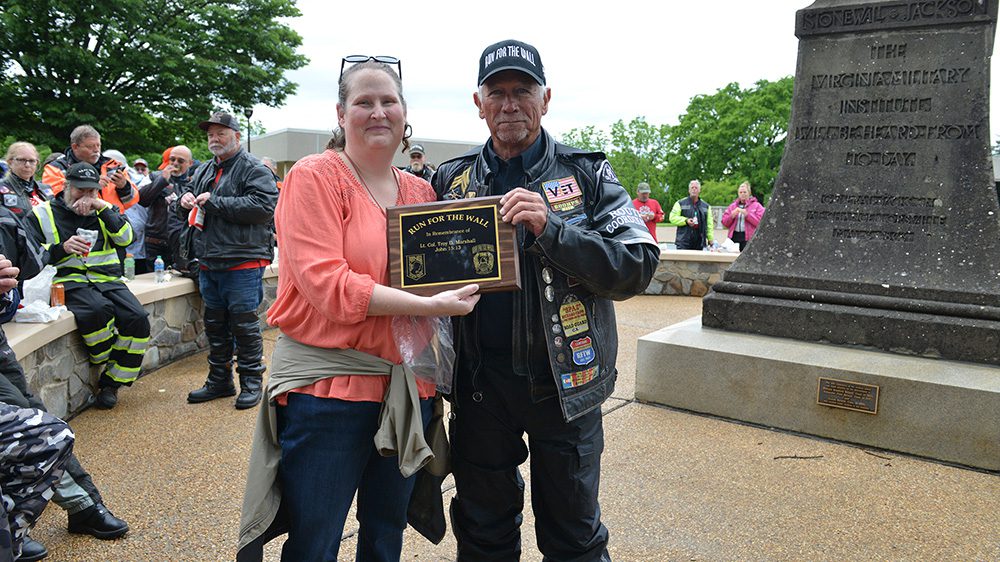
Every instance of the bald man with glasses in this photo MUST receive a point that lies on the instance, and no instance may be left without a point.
(160, 197)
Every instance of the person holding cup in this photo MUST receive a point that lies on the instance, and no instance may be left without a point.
(693, 218)
(114, 326)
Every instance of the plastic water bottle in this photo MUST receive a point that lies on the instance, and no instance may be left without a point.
(158, 270)
(129, 267)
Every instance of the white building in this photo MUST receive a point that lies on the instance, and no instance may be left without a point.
(287, 146)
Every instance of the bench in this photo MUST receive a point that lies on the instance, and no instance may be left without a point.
(55, 360)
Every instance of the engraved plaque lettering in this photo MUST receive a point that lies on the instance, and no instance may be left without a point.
(434, 247)
(855, 396)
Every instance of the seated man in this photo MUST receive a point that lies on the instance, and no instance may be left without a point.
(85, 236)
(74, 491)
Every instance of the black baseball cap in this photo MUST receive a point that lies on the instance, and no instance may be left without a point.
(511, 55)
(220, 118)
(417, 149)
(83, 176)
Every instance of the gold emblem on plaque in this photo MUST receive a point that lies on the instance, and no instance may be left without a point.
(482, 256)
(415, 268)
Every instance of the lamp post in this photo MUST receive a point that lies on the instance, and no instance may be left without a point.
(249, 113)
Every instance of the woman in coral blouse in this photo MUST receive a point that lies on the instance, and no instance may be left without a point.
(330, 368)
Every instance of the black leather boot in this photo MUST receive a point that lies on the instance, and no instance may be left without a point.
(32, 550)
(220, 358)
(97, 521)
(249, 357)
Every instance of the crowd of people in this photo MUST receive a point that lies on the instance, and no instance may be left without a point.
(89, 214)
(342, 416)
(693, 219)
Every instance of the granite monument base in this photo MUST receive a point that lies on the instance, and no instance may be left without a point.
(935, 408)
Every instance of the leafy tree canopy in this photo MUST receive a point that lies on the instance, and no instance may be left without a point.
(733, 135)
(635, 150)
(142, 72)
(723, 139)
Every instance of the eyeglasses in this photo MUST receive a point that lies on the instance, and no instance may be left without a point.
(178, 160)
(27, 161)
(358, 59)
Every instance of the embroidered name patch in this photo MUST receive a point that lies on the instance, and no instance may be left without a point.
(563, 194)
(573, 317)
(583, 351)
(579, 378)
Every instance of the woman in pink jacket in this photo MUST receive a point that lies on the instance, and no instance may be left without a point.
(742, 216)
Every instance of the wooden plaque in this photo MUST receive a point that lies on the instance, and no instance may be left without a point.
(438, 246)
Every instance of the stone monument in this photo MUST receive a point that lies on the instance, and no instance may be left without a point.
(883, 233)
(884, 229)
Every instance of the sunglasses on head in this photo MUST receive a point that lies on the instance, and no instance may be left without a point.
(358, 59)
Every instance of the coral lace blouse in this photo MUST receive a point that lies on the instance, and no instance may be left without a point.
(332, 243)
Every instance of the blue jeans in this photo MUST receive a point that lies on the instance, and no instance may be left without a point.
(327, 454)
(237, 291)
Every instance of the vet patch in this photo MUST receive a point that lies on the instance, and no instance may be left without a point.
(573, 317)
(579, 378)
(4, 189)
(607, 174)
(563, 194)
(9, 200)
(583, 351)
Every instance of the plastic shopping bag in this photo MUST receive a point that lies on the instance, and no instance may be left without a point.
(37, 291)
(426, 345)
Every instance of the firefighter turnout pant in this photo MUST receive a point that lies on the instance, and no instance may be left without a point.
(114, 326)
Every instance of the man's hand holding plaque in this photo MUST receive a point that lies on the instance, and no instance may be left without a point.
(449, 244)
(520, 206)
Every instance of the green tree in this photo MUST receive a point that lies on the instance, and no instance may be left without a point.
(143, 72)
(718, 193)
(635, 150)
(731, 136)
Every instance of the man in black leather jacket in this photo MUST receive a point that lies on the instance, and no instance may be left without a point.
(231, 200)
(160, 196)
(540, 360)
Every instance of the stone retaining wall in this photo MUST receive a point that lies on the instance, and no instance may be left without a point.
(55, 360)
(688, 272)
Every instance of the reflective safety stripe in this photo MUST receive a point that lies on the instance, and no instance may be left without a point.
(89, 277)
(101, 357)
(124, 235)
(131, 345)
(101, 334)
(48, 223)
(94, 259)
(122, 374)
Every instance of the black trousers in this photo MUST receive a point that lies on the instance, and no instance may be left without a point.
(492, 412)
(114, 326)
(75, 491)
(741, 239)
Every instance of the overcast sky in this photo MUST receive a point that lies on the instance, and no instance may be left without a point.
(622, 60)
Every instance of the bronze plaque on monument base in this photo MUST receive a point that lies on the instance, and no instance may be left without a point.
(856, 396)
(434, 247)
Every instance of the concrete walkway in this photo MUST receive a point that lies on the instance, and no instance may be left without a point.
(676, 486)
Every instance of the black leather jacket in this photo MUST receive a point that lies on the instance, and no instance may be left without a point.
(595, 248)
(157, 197)
(240, 213)
(17, 194)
